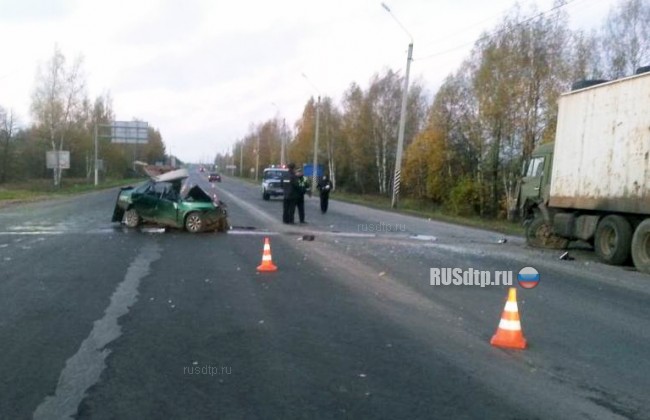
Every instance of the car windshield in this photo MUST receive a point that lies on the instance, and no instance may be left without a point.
(275, 174)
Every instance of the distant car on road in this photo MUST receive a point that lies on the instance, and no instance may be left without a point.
(170, 200)
(214, 177)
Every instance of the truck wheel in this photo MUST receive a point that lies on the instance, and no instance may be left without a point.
(540, 235)
(612, 240)
(641, 247)
(266, 196)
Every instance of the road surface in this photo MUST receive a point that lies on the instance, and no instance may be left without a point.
(98, 321)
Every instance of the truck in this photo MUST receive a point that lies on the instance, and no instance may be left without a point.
(592, 183)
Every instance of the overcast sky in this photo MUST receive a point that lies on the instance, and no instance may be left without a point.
(203, 71)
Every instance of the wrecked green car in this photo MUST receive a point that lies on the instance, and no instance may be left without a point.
(172, 199)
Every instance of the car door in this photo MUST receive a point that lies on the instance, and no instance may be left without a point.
(145, 201)
(167, 207)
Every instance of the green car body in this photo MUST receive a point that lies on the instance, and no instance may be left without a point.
(171, 200)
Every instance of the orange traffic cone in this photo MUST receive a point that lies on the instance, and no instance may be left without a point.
(509, 332)
(267, 262)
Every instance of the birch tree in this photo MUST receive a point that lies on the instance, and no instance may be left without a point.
(57, 97)
(626, 37)
(7, 137)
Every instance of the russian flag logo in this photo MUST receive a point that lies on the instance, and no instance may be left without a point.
(528, 277)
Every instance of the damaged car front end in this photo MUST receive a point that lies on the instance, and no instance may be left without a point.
(172, 199)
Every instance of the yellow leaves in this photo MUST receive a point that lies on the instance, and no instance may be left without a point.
(425, 168)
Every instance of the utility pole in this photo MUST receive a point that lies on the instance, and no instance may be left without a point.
(400, 136)
(241, 158)
(257, 158)
(96, 155)
(314, 175)
(402, 118)
(283, 160)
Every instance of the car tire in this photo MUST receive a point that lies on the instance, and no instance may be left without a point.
(266, 196)
(613, 240)
(194, 222)
(131, 218)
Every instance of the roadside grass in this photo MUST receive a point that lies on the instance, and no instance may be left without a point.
(424, 209)
(37, 189)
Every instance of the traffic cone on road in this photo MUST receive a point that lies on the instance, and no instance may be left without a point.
(267, 261)
(509, 334)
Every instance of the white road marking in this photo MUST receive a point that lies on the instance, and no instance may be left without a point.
(49, 232)
(84, 368)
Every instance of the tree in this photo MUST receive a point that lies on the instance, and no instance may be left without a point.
(56, 101)
(302, 145)
(626, 37)
(356, 131)
(7, 138)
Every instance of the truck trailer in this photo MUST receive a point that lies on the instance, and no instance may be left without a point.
(593, 183)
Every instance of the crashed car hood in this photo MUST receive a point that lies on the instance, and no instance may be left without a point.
(198, 188)
(170, 176)
(193, 187)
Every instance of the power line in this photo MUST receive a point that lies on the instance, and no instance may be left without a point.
(516, 25)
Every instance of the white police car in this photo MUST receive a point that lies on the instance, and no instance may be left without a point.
(272, 178)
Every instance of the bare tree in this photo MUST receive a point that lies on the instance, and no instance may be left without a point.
(58, 96)
(7, 132)
(626, 37)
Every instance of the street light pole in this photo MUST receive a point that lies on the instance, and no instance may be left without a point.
(400, 135)
(241, 158)
(96, 153)
(314, 174)
(257, 158)
(402, 118)
(283, 159)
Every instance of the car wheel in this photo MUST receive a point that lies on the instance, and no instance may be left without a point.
(266, 196)
(194, 222)
(131, 218)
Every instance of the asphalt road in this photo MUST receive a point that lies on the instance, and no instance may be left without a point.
(101, 322)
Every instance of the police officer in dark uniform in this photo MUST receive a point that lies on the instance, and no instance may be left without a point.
(324, 186)
(290, 186)
(303, 187)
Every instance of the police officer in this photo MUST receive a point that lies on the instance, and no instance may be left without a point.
(324, 186)
(303, 187)
(290, 187)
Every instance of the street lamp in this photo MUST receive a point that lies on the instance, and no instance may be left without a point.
(314, 174)
(402, 118)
